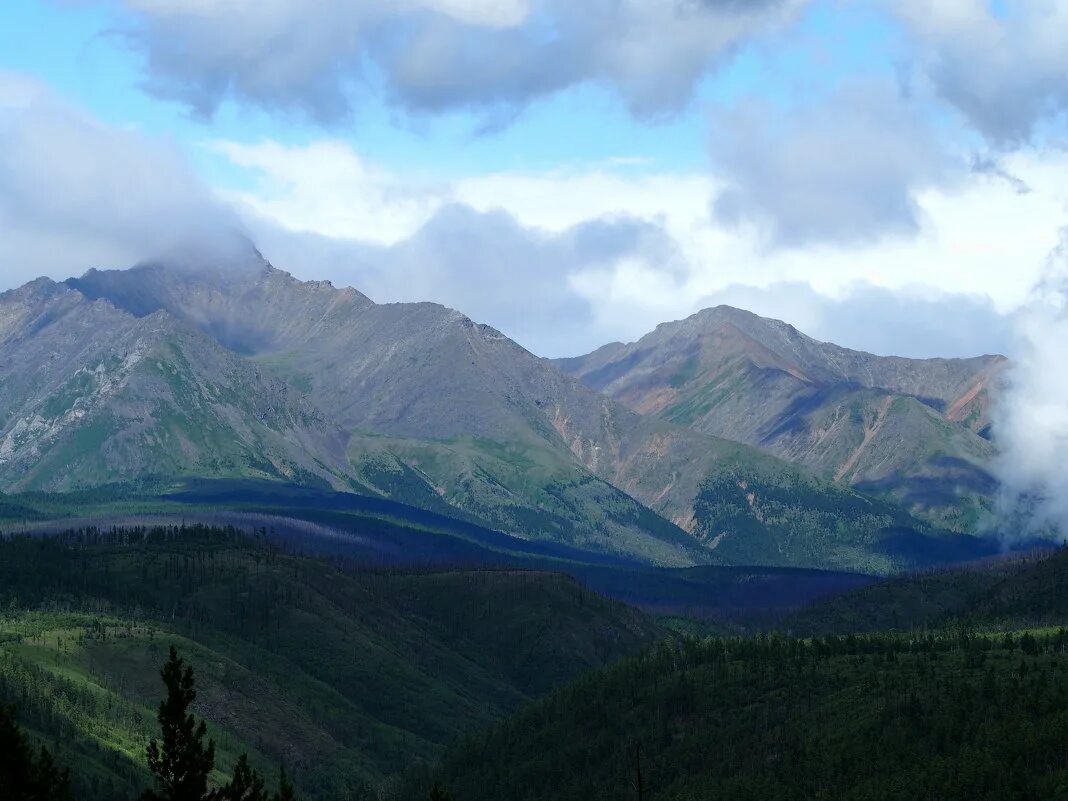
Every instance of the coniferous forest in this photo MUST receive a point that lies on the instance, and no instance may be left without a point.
(964, 716)
(287, 668)
(181, 762)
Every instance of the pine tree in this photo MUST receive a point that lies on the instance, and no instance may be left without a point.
(285, 787)
(24, 777)
(246, 784)
(181, 763)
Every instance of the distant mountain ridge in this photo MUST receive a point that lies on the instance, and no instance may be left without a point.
(915, 428)
(244, 371)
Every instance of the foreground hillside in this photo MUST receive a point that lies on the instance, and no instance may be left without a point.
(342, 675)
(756, 536)
(879, 718)
(957, 688)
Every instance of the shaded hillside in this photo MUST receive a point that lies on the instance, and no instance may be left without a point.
(839, 718)
(791, 517)
(343, 675)
(1007, 592)
(374, 532)
(909, 427)
(94, 392)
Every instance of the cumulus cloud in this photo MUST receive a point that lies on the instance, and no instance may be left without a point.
(75, 193)
(844, 169)
(325, 187)
(1032, 420)
(563, 260)
(334, 199)
(1003, 65)
(319, 56)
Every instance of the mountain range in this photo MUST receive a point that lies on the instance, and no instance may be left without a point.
(915, 429)
(725, 438)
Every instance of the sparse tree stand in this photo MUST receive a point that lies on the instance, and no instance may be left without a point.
(285, 787)
(182, 763)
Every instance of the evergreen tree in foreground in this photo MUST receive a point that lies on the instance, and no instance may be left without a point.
(246, 784)
(285, 787)
(182, 763)
(23, 776)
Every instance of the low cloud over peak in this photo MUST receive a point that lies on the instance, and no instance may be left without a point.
(76, 193)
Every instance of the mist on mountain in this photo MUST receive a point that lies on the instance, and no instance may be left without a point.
(1031, 419)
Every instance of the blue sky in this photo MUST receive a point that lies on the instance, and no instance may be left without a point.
(78, 49)
(612, 164)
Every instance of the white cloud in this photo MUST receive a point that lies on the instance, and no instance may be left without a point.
(486, 13)
(326, 188)
(75, 193)
(980, 237)
(1032, 420)
(563, 260)
(844, 169)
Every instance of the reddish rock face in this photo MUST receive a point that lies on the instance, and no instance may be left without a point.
(851, 416)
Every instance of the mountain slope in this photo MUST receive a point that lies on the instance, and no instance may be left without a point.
(439, 408)
(433, 405)
(1028, 590)
(241, 370)
(92, 394)
(909, 427)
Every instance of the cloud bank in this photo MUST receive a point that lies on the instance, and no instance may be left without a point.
(562, 260)
(319, 57)
(488, 265)
(845, 169)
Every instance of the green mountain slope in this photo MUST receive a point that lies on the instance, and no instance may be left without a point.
(439, 410)
(434, 406)
(91, 394)
(783, 515)
(345, 676)
(907, 427)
